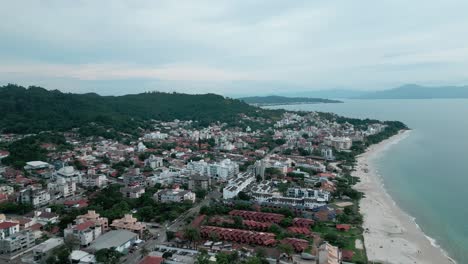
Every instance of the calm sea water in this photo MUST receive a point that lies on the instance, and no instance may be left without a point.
(426, 173)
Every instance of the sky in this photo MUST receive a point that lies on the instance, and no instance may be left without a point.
(234, 48)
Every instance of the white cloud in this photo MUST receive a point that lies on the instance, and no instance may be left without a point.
(317, 44)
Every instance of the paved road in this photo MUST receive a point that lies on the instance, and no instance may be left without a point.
(179, 223)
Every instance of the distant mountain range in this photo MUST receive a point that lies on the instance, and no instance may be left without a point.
(413, 91)
(408, 91)
(281, 100)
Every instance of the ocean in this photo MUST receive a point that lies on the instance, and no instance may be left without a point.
(426, 173)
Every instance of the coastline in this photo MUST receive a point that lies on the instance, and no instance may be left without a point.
(390, 234)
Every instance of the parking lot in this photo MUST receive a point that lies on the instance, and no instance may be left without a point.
(178, 254)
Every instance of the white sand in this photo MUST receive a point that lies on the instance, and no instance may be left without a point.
(391, 235)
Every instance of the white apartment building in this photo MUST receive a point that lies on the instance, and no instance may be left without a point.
(340, 143)
(69, 173)
(91, 181)
(224, 170)
(155, 135)
(63, 186)
(35, 196)
(174, 195)
(8, 228)
(316, 194)
(85, 232)
(237, 185)
(132, 192)
(154, 162)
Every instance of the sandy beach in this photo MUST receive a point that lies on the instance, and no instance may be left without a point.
(391, 235)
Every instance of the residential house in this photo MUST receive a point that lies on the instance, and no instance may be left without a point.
(94, 217)
(130, 223)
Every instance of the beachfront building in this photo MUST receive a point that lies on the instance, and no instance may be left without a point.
(317, 194)
(339, 143)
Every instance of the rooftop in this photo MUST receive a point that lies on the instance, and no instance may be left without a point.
(114, 238)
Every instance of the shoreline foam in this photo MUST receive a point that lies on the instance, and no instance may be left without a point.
(390, 234)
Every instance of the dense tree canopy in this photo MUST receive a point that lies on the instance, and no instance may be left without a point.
(34, 109)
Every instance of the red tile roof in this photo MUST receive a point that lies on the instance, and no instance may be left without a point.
(239, 235)
(299, 230)
(151, 260)
(303, 222)
(84, 226)
(299, 245)
(36, 227)
(3, 196)
(343, 227)
(5, 225)
(81, 203)
(258, 216)
(347, 255)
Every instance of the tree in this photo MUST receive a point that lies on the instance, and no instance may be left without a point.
(243, 196)
(192, 234)
(59, 255)
(167, 254)
(144, 251)
(203, 257)
(275, 229)
(200, 194)
(286, 222)
(238, 222)
(170, 235)
(222, 258)
(108, 256)
(72, 242)
(286, 249)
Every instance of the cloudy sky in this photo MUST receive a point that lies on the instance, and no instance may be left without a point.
(235, 47)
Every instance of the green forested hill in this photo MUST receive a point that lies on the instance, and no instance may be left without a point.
(34, 109)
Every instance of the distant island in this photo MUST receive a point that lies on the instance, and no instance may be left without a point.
(407, 91)
(413, 91)
(282, 100)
